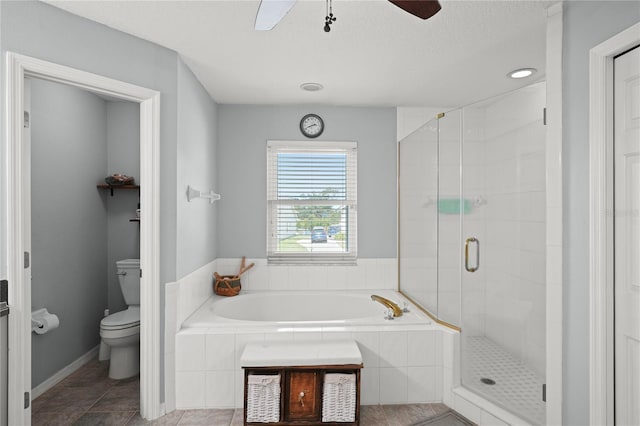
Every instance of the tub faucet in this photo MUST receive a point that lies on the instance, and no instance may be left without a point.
(397, 312)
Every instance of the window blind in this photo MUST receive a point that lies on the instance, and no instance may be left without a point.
(311, 202)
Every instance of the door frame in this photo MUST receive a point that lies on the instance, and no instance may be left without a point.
(17, 193)
(601, 331)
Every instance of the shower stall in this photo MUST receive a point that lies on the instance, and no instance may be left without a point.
(472, 241)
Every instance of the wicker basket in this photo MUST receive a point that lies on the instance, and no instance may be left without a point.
(339, 398)
(263, 399)
(227, 285)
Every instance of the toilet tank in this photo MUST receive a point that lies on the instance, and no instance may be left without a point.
(129, 277)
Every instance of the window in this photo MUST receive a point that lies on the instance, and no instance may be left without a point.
(311, 202)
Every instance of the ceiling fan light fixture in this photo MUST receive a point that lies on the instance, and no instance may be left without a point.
(329, 19)
(423, 9)
(522, 73)
(311, 87)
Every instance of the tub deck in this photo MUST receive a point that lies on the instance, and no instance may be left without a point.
(309, 309)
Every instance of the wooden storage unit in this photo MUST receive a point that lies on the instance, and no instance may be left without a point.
(302, 386)
(303, 395)
(306, 379)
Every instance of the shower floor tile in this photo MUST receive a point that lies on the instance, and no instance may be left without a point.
(517, 388)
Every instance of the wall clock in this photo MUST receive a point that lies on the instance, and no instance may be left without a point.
(311, 125)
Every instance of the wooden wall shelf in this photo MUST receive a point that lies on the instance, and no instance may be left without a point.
(112, 187)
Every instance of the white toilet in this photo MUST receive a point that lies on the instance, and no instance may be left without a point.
(120, 332)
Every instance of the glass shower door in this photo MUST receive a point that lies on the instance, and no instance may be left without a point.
(418, 225)
(503, 251)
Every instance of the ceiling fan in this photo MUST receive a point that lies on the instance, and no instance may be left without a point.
(271, 12)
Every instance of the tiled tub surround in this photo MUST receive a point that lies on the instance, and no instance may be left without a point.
(404, 359)
(186, 295)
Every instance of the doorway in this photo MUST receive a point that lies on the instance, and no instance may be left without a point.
(18, 215)
(626, 148)
(78, 231)
(609, 390)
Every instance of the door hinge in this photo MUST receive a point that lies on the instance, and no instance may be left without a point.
(544, 116)
(4, 291)
(27, 400)
(544, 392)
(26, 259)
(26, 119)
(140, 273)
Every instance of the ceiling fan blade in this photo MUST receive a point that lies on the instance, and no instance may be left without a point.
(271, 12)
(421, 8)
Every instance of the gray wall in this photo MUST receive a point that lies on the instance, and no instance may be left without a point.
(37, 29)
(123, 156)
(242, 135)
(69, 222)
(197, 125)
(586, 24)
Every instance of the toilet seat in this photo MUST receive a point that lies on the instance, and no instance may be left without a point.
(123, 320)
(120, 333)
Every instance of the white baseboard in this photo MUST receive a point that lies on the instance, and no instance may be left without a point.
(64, 373)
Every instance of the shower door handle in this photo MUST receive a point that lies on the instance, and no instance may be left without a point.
(466, 254)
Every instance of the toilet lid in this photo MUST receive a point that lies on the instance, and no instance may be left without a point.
(123, 319)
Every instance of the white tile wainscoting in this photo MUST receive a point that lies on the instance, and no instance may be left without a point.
(368, 274)
(403, 364)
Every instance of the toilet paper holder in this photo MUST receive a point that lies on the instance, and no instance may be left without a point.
(40, 319)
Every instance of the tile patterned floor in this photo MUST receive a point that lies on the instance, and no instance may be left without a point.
(515, 385)
(89, 398)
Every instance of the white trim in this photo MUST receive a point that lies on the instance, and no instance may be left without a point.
(19, 66)
(316, 144)
(601, 410)
(64, 373)
(150, 349)
(553, 159)
(18, 343)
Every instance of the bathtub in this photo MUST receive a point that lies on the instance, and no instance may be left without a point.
(301, 309)
(406, 360)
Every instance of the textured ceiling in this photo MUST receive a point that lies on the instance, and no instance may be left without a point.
(376, 54)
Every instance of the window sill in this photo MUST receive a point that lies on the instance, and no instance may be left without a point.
(316, 261)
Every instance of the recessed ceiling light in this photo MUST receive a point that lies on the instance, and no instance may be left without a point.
(311, 87)
(522, 73)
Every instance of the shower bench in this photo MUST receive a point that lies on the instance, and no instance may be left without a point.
(302, 383)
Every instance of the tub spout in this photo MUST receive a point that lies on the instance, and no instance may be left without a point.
(397, 312)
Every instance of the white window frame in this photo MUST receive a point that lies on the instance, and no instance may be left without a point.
(312, 258)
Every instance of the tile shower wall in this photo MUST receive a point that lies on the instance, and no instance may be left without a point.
(402, 366)
(448, 220)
